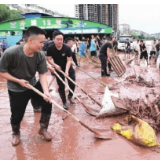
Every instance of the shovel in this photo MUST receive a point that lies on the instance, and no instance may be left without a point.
(91, 111)
(81, 88)
(98, 133)
(105, 85)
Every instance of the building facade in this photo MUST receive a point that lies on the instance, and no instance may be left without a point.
(27, 8)
(102, 13)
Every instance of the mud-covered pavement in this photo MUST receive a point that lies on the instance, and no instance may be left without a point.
(71, 141)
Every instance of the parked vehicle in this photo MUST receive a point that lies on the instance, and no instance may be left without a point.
(122, 40)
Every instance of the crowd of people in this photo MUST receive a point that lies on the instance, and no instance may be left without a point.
(36, 54)
(140, 49)
(20, 63)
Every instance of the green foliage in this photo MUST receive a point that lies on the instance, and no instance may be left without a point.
(7, 14)
(142, 37)
(134, 35)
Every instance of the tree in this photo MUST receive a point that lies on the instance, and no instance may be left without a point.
(7, 14)
(4, 12)
(15, 14)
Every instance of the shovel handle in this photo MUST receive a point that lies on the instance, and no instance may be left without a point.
(65, 84)
(52, 101)
(105, 85)
(81, 89)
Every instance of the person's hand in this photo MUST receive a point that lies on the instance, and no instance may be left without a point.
(52, 69)
(47, 97)
(23, 83)
(57, 67)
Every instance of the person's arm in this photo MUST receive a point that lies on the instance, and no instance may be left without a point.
(68, 65)
(49, 66)
(6, 62)
(69, 60)
(42, 70)
(9, 77)
(44, 83)
(50, 59)
(108, 52)
(75, 49)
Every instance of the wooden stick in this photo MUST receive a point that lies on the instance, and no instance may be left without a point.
(88, 110)
(99, 133)
(104, 84)
(80, 88)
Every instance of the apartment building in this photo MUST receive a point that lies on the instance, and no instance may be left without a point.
(102, 13)
(26, 8)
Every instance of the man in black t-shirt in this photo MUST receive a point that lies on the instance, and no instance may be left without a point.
(143, 51)
(62, 57)
(127, 49)
(104, 56)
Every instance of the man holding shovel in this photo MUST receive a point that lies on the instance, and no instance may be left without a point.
(104, 56)
(62, 60)
(19, 65)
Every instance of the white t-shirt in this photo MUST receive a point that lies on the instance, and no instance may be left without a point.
(136, 47)
(153, 47)
(74, 47)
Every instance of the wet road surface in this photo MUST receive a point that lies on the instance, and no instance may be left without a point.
(71, 141)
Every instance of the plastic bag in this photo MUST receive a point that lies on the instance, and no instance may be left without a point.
(109, 108)
(142, 133)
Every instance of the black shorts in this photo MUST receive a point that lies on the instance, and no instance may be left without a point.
(152, 52)
(144, 54)
(93, 53)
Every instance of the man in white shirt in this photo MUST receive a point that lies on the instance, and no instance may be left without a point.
(74, 52)
(153, 49)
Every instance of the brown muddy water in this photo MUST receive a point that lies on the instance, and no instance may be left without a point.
(71, 141)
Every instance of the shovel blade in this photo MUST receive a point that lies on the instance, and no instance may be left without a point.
(92, 111)
(103, 133)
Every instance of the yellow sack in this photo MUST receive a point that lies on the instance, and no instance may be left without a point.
(142, 133)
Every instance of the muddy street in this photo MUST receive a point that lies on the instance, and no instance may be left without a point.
(71, 141)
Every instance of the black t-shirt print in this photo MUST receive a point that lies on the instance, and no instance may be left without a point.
(104, 48)
(59, 56)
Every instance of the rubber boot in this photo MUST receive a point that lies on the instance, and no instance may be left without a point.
(110, 68)
(15, 135)
(71, 99)
(63, 98)
(44, 122)
(103, 73)
(36, 106)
